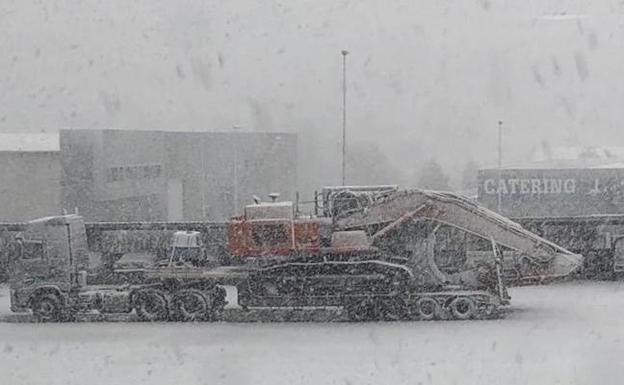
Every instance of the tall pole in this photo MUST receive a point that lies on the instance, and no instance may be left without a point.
(235, 177)
(500, 163)
(203, 168)
(344, 114)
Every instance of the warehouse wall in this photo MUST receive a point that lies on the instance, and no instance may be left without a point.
(115, 175)
(205, 162)
(29, 185)
(112, 175)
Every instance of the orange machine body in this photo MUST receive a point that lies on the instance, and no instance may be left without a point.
(270, 229)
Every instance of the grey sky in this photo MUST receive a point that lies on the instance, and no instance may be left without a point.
(426, 78)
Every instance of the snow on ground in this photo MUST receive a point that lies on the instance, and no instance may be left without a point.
(569, 333)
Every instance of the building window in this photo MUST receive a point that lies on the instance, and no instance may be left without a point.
(117, 174)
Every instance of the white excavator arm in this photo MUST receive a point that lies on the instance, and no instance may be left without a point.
(394, 209)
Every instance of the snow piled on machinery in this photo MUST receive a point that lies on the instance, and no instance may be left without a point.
(385, 211)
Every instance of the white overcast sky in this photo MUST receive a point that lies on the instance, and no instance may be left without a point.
(426, 78)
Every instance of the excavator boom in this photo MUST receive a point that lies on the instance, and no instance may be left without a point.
(392, 210)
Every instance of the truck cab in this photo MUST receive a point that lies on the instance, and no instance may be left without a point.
(49, 277)
(51, 259)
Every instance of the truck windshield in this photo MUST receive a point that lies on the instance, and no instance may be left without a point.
(31, 249)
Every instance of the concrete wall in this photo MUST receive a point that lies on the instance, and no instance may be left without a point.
(29, 185)
(107, 175)
(217, 169)
(114, 175)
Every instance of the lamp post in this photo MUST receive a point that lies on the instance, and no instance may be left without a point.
(344, 113)
(500, 163)
(203, 170)
(235, 176)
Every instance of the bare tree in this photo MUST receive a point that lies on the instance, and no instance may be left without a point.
(367, 164)
(432, 177)
(469, 175)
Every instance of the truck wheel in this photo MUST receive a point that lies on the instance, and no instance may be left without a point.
(526, 268)
(151, 305)
(391, 309)
(47, 308)
(426, 309)
(463, 308)
(190, 305)
(219, 301)
(361, 310)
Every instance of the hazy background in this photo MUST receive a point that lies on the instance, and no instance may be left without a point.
(427, 79)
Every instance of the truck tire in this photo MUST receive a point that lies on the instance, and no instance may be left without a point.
(361, 310)
(426, 309)
(151, 305)
(463, 308)
(47, 307)
(191, 305)
(391, 309)
(219, 295)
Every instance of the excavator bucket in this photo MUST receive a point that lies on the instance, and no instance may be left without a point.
(527, 256)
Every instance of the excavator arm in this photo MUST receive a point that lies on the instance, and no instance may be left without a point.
(394, 210)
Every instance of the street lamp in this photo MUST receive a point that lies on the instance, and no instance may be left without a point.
(235, 176)
(344, 113)
(500, 163)
(203, 170)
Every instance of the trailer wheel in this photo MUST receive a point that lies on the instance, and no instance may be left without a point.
(526, 268)
(190, 305)
(151, 305)
(47, 307)
(426, 308)
(391, 309)
(360, 310)
(218, 299)
(463, 308)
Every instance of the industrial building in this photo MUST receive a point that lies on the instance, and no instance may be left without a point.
(30, 176)
(121, 175)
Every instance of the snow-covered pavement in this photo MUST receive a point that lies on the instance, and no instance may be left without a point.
(561, 334)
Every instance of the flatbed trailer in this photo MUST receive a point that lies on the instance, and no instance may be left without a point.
(199, 295)
(49, 278)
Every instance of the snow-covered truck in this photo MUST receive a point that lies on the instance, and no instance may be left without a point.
(377, 260)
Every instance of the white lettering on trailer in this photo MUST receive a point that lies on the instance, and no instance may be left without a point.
(502, 186)
(514, 183)
(556, 186)
(569, 186)
(488, 185)
(530, 186)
